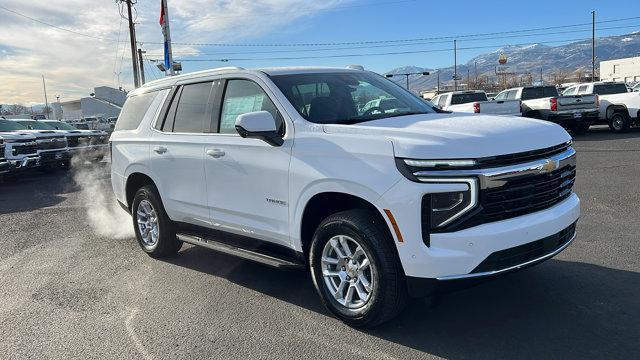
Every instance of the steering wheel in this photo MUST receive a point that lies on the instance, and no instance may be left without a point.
(371, 110)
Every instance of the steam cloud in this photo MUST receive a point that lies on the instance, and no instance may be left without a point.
(105, 216)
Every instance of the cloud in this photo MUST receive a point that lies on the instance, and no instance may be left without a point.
(74, 64)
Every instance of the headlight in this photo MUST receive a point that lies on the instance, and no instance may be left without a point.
(443, 208)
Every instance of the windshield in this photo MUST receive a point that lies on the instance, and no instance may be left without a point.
(8, 125)
(35, 125)
(59, 125)
(348, 98)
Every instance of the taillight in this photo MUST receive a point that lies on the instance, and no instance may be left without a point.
(476, 107)
(521, 107)
(597, 101)
(554, 104)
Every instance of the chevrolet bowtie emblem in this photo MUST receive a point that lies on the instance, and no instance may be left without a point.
(548, 166)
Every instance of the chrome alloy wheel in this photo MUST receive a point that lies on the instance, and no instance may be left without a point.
(148, 223)
(346, 270)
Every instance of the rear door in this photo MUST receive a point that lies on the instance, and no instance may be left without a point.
(248, 179)
(177, 151)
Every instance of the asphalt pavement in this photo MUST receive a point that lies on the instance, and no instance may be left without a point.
(75, 285)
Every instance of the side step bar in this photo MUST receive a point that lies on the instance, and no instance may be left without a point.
(246, 254)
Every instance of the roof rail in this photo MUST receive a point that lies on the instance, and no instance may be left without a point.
(355, 67)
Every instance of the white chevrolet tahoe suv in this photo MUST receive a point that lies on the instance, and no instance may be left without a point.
(280, 166)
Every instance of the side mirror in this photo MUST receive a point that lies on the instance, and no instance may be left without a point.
(260, 125)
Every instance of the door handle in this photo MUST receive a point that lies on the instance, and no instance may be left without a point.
(160, 149)
(216, 153)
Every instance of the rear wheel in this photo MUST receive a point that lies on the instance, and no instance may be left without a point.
(619, 122)
(355, 269)
(154, 230)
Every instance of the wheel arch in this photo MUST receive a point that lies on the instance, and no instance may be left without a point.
(322, 204)
(134, 181)
(614, 108)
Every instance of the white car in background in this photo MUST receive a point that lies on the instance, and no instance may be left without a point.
(20, 149)
(52, 144)
(91, 144)
(618, 107)
(476, 101)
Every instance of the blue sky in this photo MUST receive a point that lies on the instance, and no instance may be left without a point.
(386, 20)
(78, 50)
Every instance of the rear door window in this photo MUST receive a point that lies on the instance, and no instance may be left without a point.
(442, 102)
(570, 91)
(608, 89)
(467, 98)
(134, 110)
(511, 95)
(582, 89)
(193, 111)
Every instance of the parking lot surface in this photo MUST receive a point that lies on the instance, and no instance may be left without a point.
(74, 284)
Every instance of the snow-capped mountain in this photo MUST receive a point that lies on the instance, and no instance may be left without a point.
(524, 59)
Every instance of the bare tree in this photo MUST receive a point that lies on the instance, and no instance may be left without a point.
(17, 109)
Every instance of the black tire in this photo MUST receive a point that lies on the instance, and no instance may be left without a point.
(580, 128)
(388, 295)
(619, 122)
(166, 244)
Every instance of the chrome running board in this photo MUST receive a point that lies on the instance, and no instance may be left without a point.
(246, 254)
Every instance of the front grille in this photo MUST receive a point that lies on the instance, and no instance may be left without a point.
(76, 141)
(24, 149)
(514, 256)
(52, 145)
(526, 195)
(521, 157)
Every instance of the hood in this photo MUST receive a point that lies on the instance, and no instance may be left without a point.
(44, 134)
(457, 136)
(17, 135)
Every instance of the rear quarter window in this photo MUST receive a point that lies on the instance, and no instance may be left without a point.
(134, 110)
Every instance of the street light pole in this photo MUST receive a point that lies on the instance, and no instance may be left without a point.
(407, 75)
(593, 45)
(455, 65)
(46, 101)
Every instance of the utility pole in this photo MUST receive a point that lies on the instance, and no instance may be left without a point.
(140, 52)
(132, 37)
(541, 80)
(475, 65)
(593, 45)
(438, 81)
(46, 101)
(455, 65)
(468, 79)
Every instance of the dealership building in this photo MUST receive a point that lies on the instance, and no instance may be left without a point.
(627, 70)
(104, 101)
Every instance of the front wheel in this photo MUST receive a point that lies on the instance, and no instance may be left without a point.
(355, 269)
(619, 122)
(154, 230)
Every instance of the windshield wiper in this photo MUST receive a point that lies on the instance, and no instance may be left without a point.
(383, 116)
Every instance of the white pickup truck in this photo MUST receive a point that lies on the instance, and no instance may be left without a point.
(475, 101)
(576, 112)
(619, 108)
(288, 167)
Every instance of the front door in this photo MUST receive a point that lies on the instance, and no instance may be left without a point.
(247, 179)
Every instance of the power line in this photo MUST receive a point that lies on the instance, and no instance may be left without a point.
(384, 53)
(396, 45)
(451, 37)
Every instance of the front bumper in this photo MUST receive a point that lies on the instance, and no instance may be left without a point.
(24, 163)
(54, 156)
(455, 255)
(90, 150)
